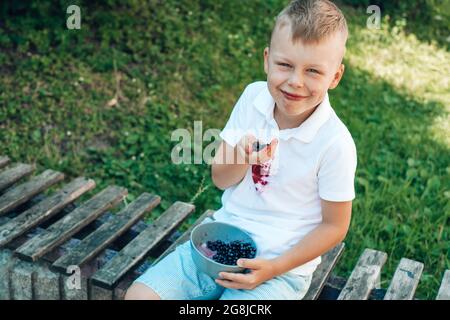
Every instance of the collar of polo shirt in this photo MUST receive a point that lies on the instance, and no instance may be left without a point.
(265, 104)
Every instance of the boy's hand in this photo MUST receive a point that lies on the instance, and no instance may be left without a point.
(261, 271)
(251, 156)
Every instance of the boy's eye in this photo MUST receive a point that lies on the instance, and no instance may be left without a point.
(284, 65)
(313, 70)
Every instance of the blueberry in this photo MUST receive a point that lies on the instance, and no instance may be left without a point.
(258, 146)
(229, 253)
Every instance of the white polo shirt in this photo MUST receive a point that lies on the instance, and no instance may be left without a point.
(281, 204)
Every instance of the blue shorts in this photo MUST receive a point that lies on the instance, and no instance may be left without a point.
(176, 277)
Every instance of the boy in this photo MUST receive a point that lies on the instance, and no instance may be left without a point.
(294, 195)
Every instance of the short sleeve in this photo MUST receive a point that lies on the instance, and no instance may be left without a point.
(237, 124)
(337, 169)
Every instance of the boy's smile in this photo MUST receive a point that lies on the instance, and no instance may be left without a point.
(299, 74)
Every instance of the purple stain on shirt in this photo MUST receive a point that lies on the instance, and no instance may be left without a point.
(260, 173)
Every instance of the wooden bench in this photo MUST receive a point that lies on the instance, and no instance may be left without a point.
(46, 241)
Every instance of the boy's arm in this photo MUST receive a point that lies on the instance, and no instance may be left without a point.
(336, 218)
(228, 167)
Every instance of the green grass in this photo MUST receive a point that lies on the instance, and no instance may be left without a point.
(169, 63)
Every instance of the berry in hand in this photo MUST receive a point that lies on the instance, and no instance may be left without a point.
(258, 146)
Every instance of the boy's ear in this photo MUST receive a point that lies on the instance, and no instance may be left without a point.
(337, 76)
(266, 60)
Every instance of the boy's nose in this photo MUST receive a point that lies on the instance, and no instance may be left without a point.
(295, 80)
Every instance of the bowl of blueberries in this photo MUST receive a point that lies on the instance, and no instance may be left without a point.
(216, 247)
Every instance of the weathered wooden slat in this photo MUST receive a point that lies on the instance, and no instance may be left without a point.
(186, 235)
(404, 283)
(99, 293)
(4, 160)
(24, 192)
(444, 289)
(108, 232)
(323, 271)
(132, 253)
(3, 220)
(44, 209)
(335, 284)
(365, 276)
(124, 283)
(14, 174)
(71, 223)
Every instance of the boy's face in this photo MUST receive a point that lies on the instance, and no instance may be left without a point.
(306, 71)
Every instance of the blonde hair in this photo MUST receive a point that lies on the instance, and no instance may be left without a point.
(312, 20)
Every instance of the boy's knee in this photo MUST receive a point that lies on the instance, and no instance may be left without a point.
(139, 291)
